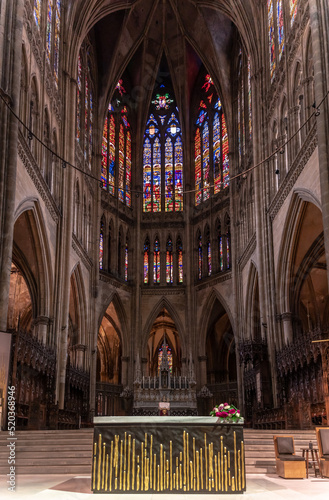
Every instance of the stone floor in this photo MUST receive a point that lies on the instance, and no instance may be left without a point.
(259, 487)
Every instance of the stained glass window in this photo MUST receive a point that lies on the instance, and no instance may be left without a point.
(210, 155)
(293, 11)
(169, 355)
(163, 157)
(90, 142)
(228, 262)
(156, 261)
(270, 17)
(209, 257)
(146, 260)
(37, 12)
(147, 176)
(220, 247)
(169, 262)
(57, 38)
(280, 28)
(169, 181)
(128, 169)
(116, 151)
(200, 257)
(49, 30)
(179, 247)
(121, 164)
(101, 245)
(79, 90)
(156, 175)
(197, 160)
(249, 100)
(126, 262)
(225, 157)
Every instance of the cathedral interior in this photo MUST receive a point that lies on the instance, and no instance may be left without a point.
(164, 188)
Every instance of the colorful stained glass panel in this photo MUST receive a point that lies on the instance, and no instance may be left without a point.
(270, 18)
(157, 176)
(216, 153)
(225, 150)
(205, 162)
(197, 163)
(178, 175)
(280, 27)
(169, 178)
(121, 164)
(147, 176)
(128, 169)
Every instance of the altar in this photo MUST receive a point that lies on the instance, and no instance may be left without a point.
(167, 455)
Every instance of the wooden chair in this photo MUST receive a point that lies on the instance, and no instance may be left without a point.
(322, 436)
(288, 464)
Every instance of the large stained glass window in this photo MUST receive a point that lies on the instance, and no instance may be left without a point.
(163, 156)
(293, 10)
(210, 146)
(57, 38)
(79, 92)
(169, 262)
(179, 248)
(280, 27)
(271, 37)
(116, 151)
(156, 261)
(146, 260)
(209, 270)
(220, 247)
(37, 12)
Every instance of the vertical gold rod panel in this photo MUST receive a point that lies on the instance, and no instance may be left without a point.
(129, 452)
(229, 478)
(161, 466)
(99, 462)
(103, 467)
(121, 460)
(191, 474)
(167, 471)
(197, 471)
(177, 474)
(233, 483)
(147, 478)
(158, 470)
(225, 458)
(206, 458)
(94, 469)
(210, 473)
(111, 465)
(125, 463)
(164, 470)
(107, 472)
(218, 471)
(137, 478)
(151, 459)
(133, 466)
(180, 476)
(184, 459)
(222, 460)
(194, 474)
(116, 460)
(187, 462)
(242, 464)
(170, 464)
(216, 478)
(142, 465)
(201, 468)
(239, 468)
(235, 463)
(155, 472)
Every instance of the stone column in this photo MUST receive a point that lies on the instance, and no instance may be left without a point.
(202, 370)
(10, 76)
(124, 370)
(318, 18)
(287, 327)
(41, 328)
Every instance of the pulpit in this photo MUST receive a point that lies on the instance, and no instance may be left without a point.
(167, 455)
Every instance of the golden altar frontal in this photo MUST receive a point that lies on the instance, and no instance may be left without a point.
(167, 455)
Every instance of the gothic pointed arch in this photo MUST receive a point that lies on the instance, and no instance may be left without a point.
(114, 301)
(252, 311)
(163, 303)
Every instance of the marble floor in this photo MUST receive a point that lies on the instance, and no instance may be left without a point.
(69, 487)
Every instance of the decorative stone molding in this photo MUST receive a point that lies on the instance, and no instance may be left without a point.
(220, 278)
(248, 251)
(163, 291)
(81, 252)
(112, 281)
(34, 172)
(296, 169)
(204, 393)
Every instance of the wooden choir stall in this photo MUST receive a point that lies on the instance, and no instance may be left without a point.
(167, 455)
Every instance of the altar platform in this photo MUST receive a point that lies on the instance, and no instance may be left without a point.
(169, 455)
